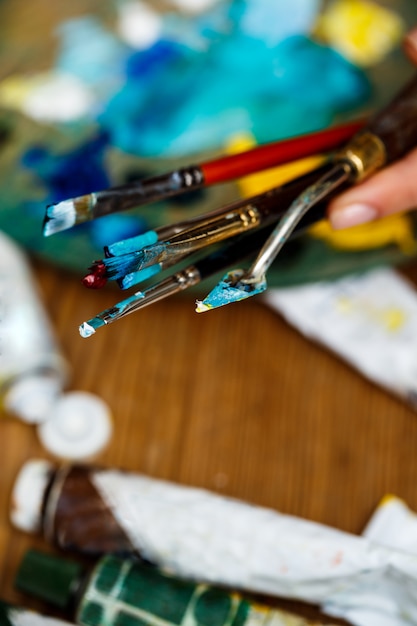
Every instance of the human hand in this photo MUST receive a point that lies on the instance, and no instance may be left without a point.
(392, 190)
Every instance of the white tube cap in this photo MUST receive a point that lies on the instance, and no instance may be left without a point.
(79, 426)
(27, 495)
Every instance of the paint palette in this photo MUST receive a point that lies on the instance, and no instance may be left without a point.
(90, 98)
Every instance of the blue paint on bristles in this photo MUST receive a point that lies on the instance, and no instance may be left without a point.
(106, 317)
(134, 244)
(134, 278)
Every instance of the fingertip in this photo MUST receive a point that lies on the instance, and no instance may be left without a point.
(350, 215)
(392, 190)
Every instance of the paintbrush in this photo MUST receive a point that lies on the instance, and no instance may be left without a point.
(234, 219)
(235, 251)
(69, 213)
(97, 276)
(387, 137)
(96, 279)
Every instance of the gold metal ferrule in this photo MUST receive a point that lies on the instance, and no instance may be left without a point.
(365, 153)
(250, 216)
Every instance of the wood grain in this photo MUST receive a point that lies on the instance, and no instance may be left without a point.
(235, 401)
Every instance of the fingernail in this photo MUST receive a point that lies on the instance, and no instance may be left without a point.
(352, 215)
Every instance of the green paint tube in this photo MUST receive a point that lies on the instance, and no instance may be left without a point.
(127, 592)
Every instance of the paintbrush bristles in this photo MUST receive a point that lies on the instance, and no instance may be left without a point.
(118, 266)
(68, 213)
(210, 230)
(59, 217)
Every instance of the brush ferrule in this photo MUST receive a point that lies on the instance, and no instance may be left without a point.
(187, 277)
(84, 207)
(365, 154)
(191, 177)
(250, 216)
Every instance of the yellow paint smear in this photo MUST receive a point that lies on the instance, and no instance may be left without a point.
(393, 229)
(15, 89)
(362, 31)
(391, 319)
(273, 177)
(388, 498)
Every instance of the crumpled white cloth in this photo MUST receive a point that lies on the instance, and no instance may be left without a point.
(369, 320)
(199, 535)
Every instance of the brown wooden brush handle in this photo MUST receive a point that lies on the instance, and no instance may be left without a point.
(396, 124)
(386, 138)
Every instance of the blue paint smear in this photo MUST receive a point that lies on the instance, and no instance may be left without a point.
(197, 101)
(75, 173)
(272, 21)
(121, 306)
(113, 228)
(225, 293)
(243, 66)
(71, 174)
(146, 64)
(89, 328)
(91, 52)
(237, 68)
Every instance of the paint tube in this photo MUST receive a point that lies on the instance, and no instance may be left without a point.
(11, 615)
(32, 369)
(393, 524)
(199, 535)
(120, 591)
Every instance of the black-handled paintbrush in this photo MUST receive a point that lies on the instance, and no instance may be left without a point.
(232, 220)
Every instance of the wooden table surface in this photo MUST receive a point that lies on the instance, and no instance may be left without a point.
(235, 401)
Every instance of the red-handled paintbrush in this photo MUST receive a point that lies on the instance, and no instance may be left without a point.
(68, 213)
